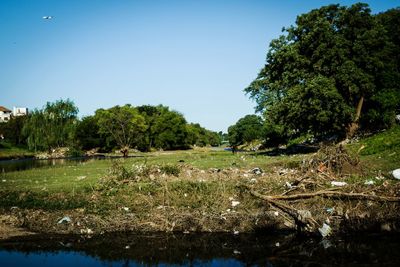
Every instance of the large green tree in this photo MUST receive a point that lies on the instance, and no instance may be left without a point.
(123, 123)
(246, 129)
(326, 72)
(52, 126)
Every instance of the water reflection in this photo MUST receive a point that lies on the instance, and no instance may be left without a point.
(199, 250)
(26, 164)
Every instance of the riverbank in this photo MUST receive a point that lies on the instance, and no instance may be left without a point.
(335, 191)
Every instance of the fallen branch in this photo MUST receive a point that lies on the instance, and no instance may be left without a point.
(302, 218)
(332, 195)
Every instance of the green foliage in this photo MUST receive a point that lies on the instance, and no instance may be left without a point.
(170, 169)
(124, 124)
(331, 61)
(12, 131)
(88, 135)
(51, 127)
(200, 136)
(246, 129)
(166, 129)
(388, 140)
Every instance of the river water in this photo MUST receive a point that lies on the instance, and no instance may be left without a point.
(199, 250)
(30, 163)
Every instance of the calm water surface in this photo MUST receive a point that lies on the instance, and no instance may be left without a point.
(26, 164)
(199, 250)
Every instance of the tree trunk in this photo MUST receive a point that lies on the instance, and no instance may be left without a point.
(353, 127)
(125, 151)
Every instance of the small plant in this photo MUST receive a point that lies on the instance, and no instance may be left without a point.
(171, 170)
(120, 172)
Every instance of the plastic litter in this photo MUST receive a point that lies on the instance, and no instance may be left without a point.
(235, 203)
(396, 174)
(369, 182)
(289, 185)
(326, 243)
(257, 171)
(330, 210)
(335, 183)
(79, 178)
(325, 230)
(66, 219)
(125, 208)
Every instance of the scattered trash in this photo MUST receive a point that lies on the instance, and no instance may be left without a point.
(289, 185)
(87, 231)
(214, 170)
(66, 219)
(277, 244)
(335, 183)
(235, 232)
(326, 243)
(276, 213)
(330, 210)
(235, 203)
(127, 247)
(237, 252)
(67, 245)
(253, 180)
(79, 178)
(185, 195)
(125, 209)
(186, 232)
(325, 230)
(4, 180)
(369, 182)
(257, 171)
(396, 174)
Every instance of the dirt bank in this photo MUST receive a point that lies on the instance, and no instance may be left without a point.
(8, 227)
(327, 194)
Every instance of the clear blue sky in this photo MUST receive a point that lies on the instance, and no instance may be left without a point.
(193, 56)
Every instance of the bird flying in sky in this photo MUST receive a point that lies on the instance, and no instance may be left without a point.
(47, 17)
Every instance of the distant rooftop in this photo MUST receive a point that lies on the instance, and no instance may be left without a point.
(4, 109)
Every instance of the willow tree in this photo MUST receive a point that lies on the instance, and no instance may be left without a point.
(52, 126)
(320, 74)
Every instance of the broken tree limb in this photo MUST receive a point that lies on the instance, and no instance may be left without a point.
(333, 195)
(302, 218)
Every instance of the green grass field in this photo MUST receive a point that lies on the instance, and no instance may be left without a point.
(175, 189)
(76, 177)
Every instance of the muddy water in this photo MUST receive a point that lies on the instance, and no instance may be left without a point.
(199, 250)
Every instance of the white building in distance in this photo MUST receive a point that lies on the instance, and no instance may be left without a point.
(5, 114)
(20, 112)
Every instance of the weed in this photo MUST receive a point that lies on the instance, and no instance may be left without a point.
(170, 169)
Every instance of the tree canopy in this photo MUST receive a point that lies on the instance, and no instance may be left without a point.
(52, 126)
(123, 123)
(335, 69)
(246, 129)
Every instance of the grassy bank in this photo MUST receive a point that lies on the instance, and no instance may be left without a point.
(209, 191)
(8, 151)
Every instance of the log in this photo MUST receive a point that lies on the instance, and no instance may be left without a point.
(333, 195)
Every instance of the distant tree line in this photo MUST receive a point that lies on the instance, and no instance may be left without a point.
(122, 127)
(334, 73)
